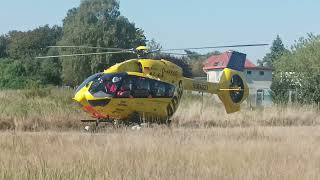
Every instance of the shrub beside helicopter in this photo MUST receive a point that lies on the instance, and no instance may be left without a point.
(151, 88)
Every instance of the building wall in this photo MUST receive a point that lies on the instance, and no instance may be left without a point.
(214, 76)
(256, 75)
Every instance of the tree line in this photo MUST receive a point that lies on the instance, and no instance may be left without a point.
(296, 70)
(96, 23)
(99, 23)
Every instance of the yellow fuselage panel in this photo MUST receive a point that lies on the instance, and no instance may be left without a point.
(132, 65)
(161, 69)
(155, 69)
(123, 108)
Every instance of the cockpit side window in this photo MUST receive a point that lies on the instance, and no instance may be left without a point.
(125, 90)
(158, 89)
(107, 85)
(162, 90)
(141, 87)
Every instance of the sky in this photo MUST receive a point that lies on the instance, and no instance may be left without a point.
(192, 23)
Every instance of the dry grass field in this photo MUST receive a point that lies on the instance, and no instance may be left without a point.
(53, 109)
(41, 138)
(162, 153)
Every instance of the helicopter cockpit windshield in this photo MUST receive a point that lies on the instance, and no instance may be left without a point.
(88, 80)
(106, 85)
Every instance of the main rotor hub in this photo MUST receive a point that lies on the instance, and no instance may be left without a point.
(142, 51)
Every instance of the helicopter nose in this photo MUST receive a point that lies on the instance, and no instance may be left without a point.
(79, 96)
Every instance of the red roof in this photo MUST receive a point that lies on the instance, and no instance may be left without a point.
(221, 61)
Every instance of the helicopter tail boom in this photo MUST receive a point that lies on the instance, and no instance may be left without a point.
(232, 88)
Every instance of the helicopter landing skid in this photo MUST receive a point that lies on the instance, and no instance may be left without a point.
(97, 122)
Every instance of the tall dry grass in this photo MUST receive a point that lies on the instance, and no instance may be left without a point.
(34, 110)
(202, 143)
(40, 109)
(208, 111)
(162, 153)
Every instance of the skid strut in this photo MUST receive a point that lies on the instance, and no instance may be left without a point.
(97, 122)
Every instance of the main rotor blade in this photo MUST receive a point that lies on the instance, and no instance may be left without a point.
(86, 54)
(185, 54)
(91, 47)
(182, 54)
(215, 47)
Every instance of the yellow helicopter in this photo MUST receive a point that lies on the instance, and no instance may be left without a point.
(152, 88)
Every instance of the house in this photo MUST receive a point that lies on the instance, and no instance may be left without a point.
(259, 79)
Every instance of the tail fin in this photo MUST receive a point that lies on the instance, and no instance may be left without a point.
(233, 89)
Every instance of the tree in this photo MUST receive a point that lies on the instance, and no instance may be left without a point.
(276, 51)
(96, 23)
(27, 45)
(19, 48)
(13, 75)
(153, 44)
(299, 71)
(51, 69)
(3, 46)
(197, 61)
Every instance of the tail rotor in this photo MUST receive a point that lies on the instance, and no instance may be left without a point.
(233, 88)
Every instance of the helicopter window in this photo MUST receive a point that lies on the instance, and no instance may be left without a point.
(125, 89)
(169, 90)
(88, 80)
(131, 87)
(158, 89)
(141, 88)
(161, 90)
(107, 85)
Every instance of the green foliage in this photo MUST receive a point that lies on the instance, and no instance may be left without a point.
(20, 68)
(3, 46)
(51, 69)
(93, 23)
(299, 71)
(153, 45)
(197, 61)
(280, 85)
(24, 45)
(96, 23)
(14, 75)
(15, 69)
(277, 50)
(280, 89)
